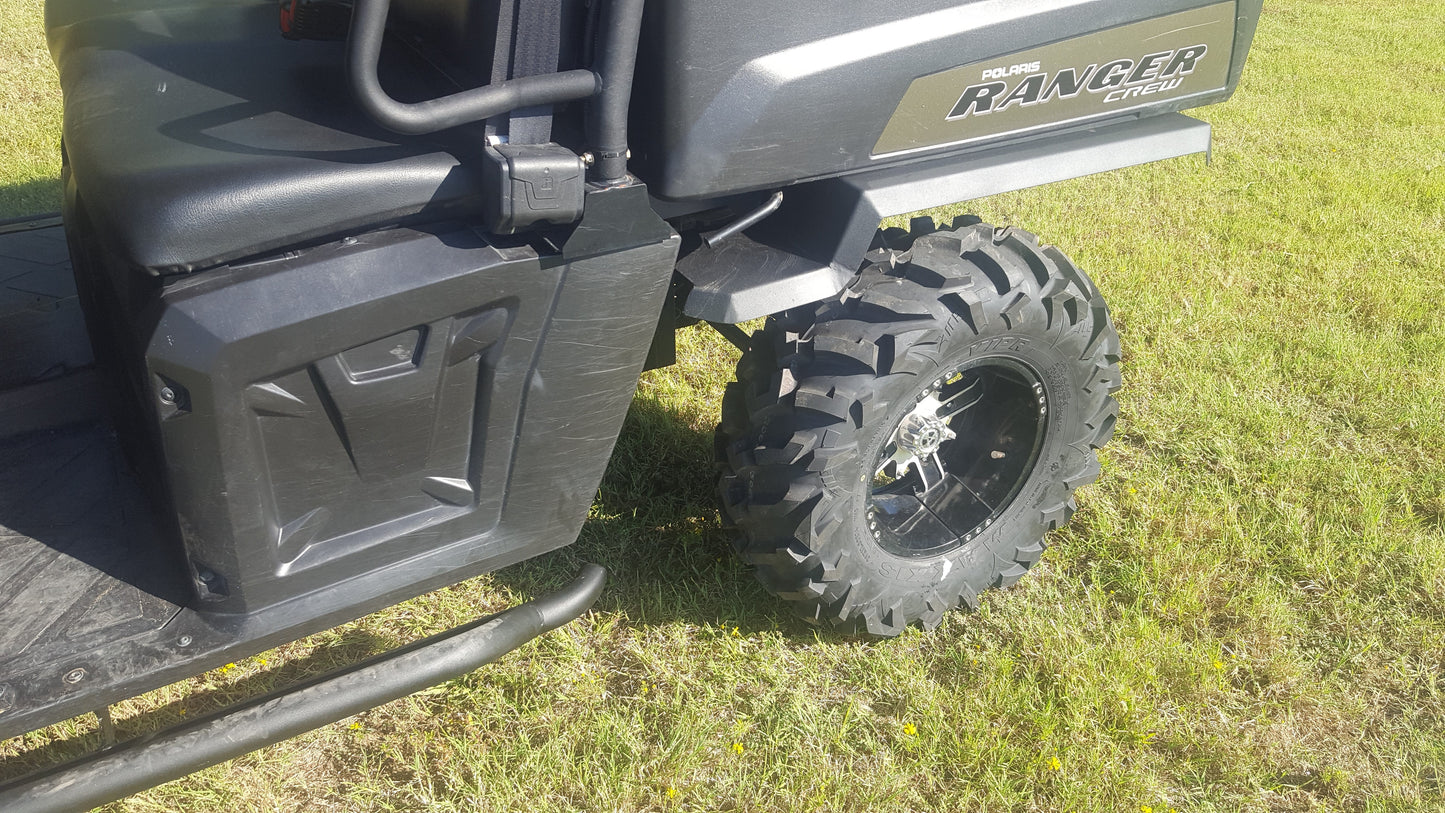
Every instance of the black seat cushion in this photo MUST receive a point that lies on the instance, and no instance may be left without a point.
(197, 136)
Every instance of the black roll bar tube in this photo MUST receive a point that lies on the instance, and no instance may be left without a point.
(363, 53)
(616, 62)
(607, 117)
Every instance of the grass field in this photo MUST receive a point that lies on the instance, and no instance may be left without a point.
(1248, 612)
(29, 113)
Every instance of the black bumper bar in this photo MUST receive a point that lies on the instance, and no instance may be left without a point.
(149, 761)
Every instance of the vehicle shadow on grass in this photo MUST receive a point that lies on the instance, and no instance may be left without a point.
(29, 198)
(655, 526)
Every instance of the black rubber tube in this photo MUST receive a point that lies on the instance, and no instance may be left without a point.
(746, 221)
(617, 62)
(363, 53)
(171, 754)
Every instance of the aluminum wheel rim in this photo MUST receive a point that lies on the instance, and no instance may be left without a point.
(953, 464)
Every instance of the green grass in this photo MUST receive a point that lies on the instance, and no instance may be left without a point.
(29, 113)
(1248, 612)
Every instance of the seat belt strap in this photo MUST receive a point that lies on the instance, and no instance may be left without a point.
(536, 49)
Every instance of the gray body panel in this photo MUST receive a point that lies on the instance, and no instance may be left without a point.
(733, 96)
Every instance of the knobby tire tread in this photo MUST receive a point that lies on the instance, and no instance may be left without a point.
(788, 444)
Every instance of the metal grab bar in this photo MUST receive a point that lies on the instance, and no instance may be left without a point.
(363, 52)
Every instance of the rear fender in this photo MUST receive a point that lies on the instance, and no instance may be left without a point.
(815, 243)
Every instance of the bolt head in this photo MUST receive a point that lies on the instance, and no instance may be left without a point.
(74, 676)
(168, 395)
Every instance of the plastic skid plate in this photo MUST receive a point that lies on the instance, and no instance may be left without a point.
(377, 398)
(352, 425)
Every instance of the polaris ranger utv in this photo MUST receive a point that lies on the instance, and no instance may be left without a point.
(349, 305)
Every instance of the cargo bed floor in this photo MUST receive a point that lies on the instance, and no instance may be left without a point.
(78, 563)
(79, 567)
(42, 332)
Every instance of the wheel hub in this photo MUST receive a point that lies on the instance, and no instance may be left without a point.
(922, 433)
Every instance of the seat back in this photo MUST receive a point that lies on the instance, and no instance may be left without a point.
(483, 41)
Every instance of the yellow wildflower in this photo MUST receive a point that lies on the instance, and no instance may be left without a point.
(737, 748)
(356, 725)
(671, 792)
(910, 729)
(1218, 664)
(1145, 809)
(1055, 764)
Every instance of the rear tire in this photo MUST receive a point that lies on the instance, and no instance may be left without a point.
(839, 474)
